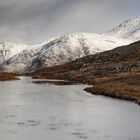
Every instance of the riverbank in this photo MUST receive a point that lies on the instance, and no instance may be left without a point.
(8, 76)
(114, 73)
(124, 87)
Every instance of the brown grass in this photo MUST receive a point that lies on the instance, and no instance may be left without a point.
(7, 76)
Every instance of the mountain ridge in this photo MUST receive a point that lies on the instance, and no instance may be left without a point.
(129, 29)
(66, 48)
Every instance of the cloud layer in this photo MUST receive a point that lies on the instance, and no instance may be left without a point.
(31, 21)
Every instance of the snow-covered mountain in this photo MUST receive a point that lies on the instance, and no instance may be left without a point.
(73, 46)
(129, 29)
(22, 60)
(59, 50)
(8, 50)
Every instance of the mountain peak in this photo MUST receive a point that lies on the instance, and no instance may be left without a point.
(129, 29)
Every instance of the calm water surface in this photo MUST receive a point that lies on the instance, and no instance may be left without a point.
(30, 111)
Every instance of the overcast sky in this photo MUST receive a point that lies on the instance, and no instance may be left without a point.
(31, 21)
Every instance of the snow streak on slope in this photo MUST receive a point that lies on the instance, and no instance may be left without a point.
(129, 29)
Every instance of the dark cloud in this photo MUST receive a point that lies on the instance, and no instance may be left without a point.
(30, 21)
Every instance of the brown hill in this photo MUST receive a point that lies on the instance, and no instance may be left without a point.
(114, 73)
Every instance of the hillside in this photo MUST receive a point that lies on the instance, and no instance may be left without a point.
(114, 73)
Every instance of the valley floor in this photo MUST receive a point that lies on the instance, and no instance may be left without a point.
(115, 73)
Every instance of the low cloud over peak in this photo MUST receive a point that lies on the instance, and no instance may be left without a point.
(31, 21)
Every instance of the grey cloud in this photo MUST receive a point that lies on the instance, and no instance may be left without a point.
(30, 21)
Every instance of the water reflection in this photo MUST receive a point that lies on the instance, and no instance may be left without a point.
(54, 82)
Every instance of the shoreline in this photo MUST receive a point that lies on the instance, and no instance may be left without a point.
(4, 76)
(95, 91)
(100, 89)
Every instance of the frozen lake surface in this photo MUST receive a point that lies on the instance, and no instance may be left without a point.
(30, 111)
